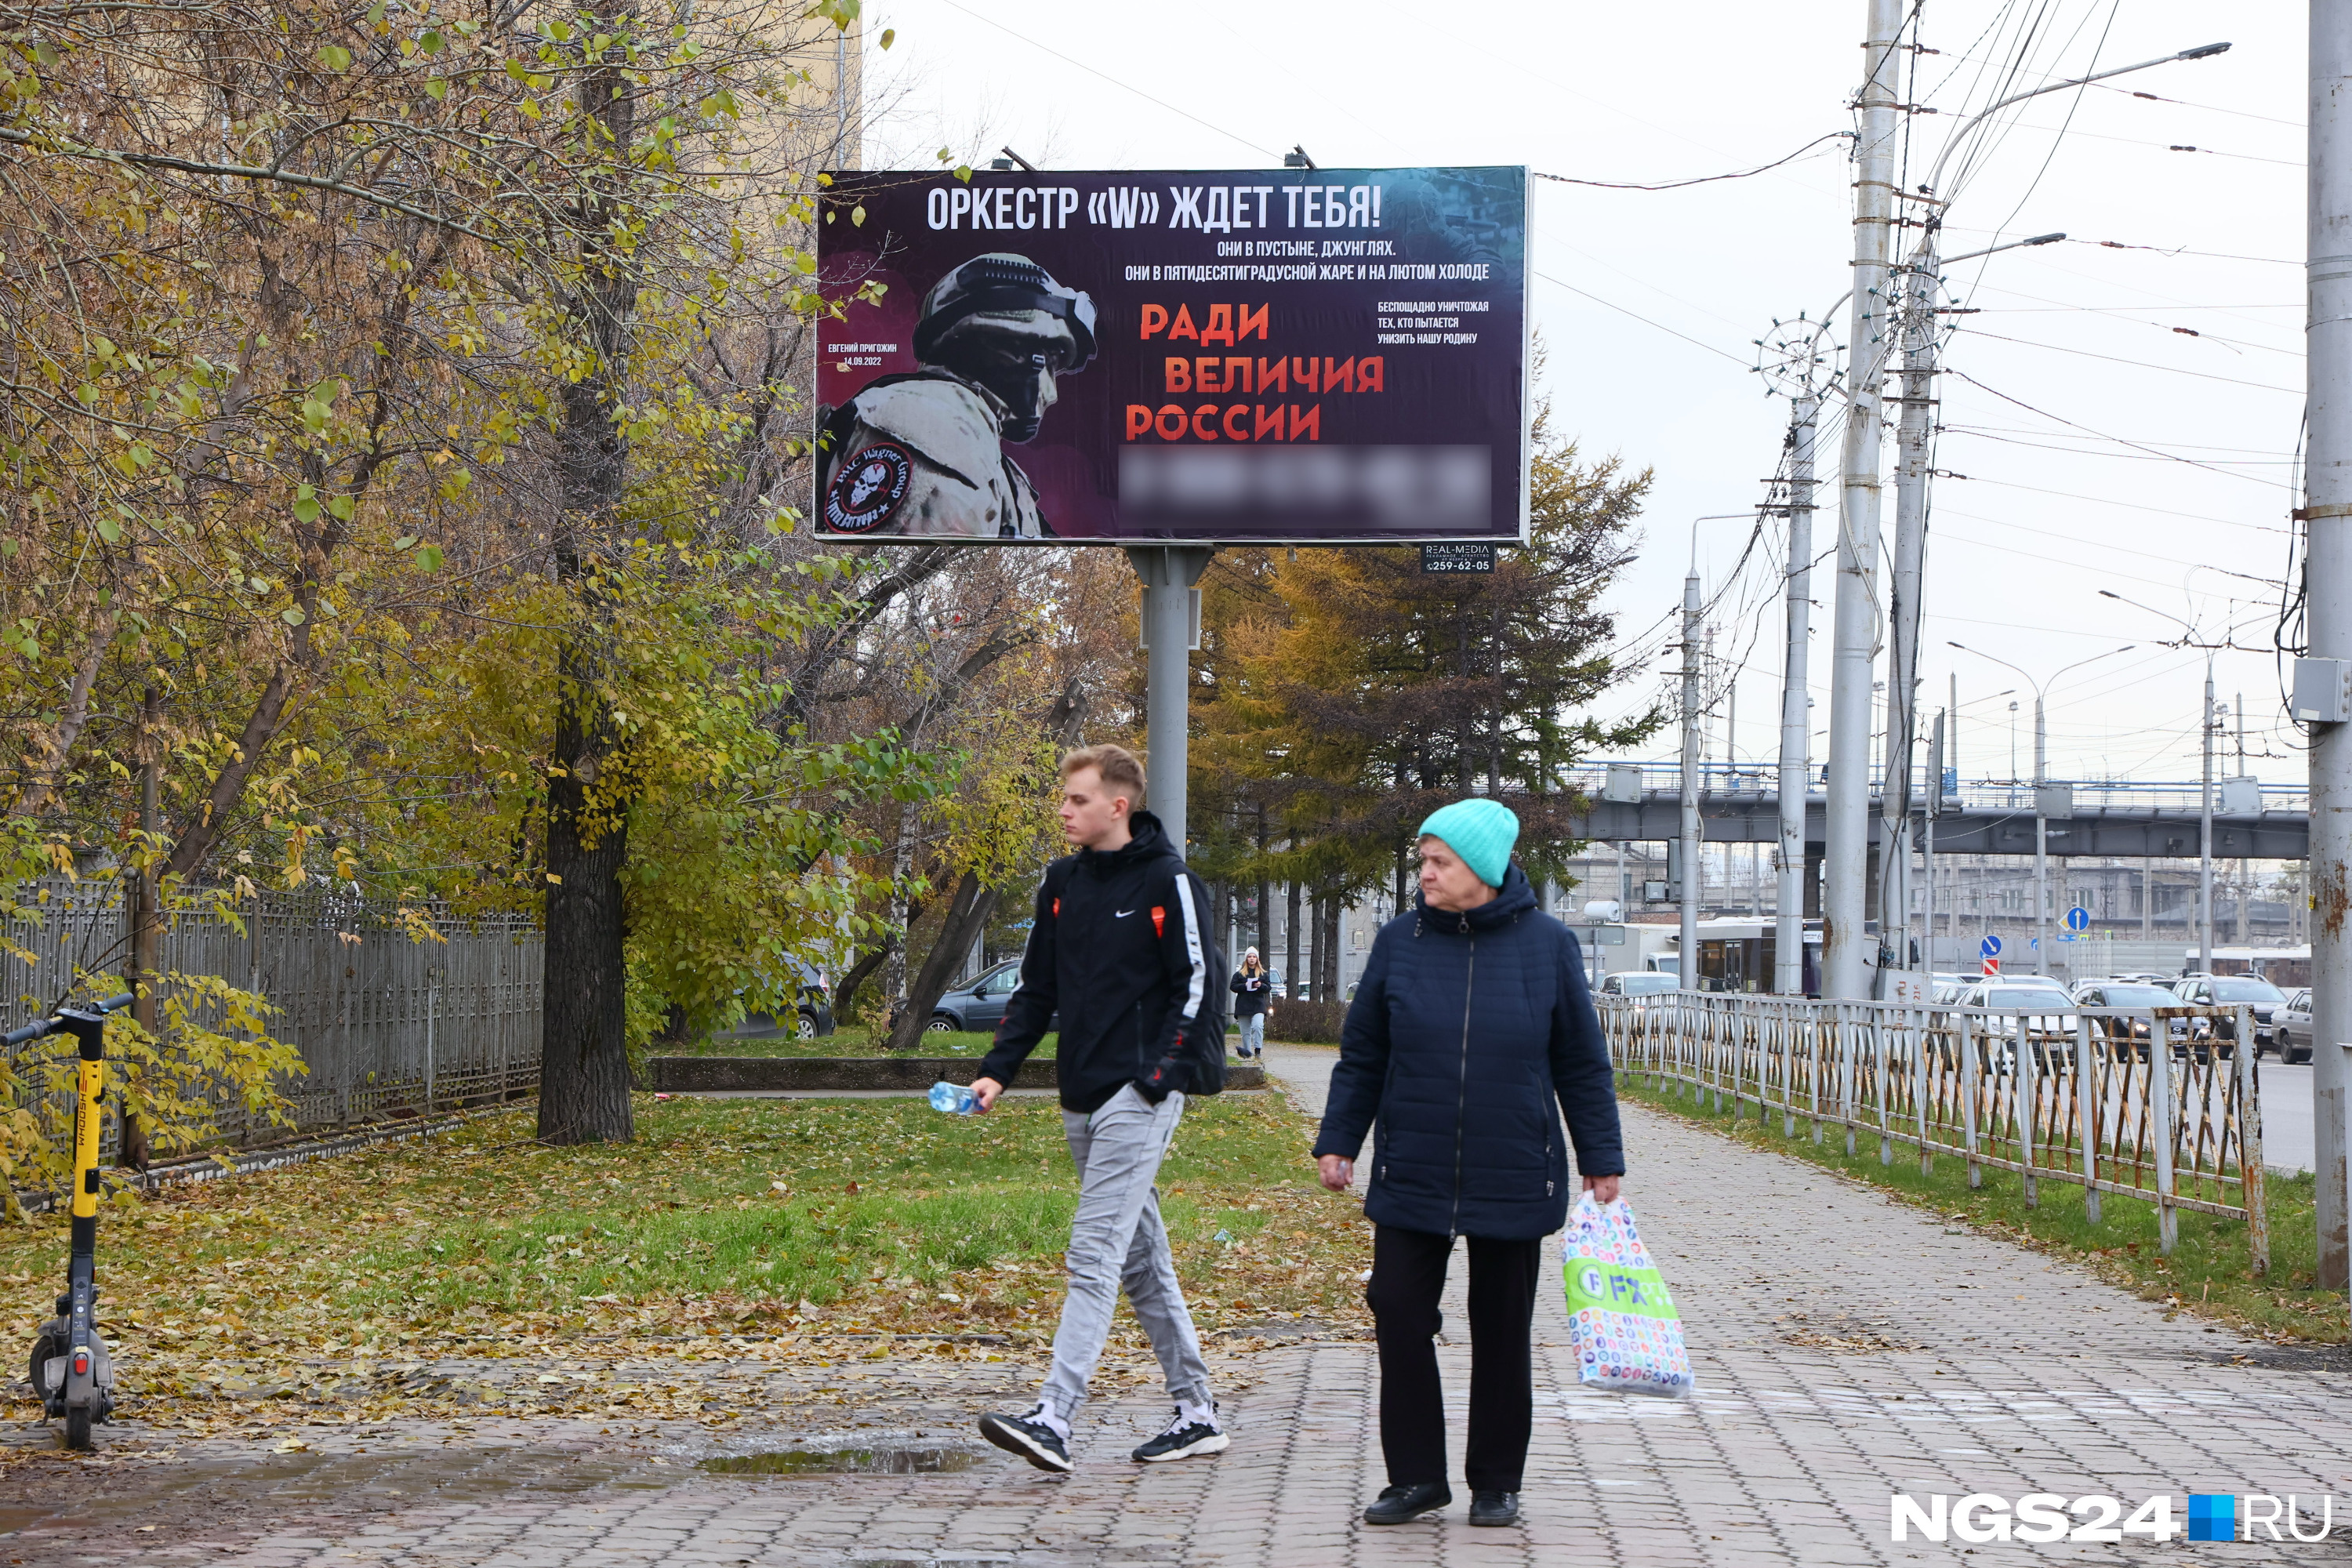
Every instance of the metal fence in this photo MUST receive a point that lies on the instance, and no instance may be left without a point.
(386, 1023)
(2159, 1104)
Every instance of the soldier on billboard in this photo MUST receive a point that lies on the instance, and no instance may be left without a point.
(924, 453)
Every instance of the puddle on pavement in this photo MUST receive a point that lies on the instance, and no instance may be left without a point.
(879, 1461)
(13, 1520)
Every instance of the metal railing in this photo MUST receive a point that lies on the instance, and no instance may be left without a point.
(387, 1023)
(2161, 1104)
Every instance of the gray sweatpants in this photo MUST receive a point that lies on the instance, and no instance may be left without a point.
(1117, 1240)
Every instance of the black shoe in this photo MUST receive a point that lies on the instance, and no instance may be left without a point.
(1494, 1508)
(1030, 1437)
(1402, 1504)
(1181, 1439)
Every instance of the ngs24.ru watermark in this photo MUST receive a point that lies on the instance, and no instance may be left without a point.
(2043, 1518)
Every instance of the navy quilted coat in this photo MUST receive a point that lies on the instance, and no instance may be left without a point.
(1467, 1029)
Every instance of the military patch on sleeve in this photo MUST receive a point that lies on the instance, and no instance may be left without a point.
(867, 488)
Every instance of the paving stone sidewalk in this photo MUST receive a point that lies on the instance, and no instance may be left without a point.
(1847, 1348)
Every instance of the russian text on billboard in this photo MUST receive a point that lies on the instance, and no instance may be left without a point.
(1307, 355)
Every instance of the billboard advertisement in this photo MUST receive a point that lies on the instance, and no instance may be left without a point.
(1291, 356)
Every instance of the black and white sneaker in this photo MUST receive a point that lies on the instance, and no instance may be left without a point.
(1186, 1436)
(1030, 1436)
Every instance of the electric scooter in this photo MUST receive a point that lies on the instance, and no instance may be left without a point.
(70, 1369)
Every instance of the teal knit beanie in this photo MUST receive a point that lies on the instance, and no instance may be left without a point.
(1481, 831)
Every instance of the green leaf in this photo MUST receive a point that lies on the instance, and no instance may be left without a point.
(292, 616)
(109, 530)
(306, 510)
(438, 89)
(335, 58)
(429, 558)
(858, 214)
(431, 41)
(889, 36)
(405, 541)
(342, 506)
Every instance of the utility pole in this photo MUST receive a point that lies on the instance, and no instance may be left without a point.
(1688, 964)
(1796, 720)
(2205, 840)
(2327, 586)
(1845, 961)
(1927, 857)
(1917, 318)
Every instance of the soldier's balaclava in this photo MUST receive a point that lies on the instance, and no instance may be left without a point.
(1001, 321)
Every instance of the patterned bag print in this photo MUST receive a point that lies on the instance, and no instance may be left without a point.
(1622, 1324)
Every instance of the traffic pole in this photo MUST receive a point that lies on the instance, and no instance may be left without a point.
(1845, 963)
(1796, 717)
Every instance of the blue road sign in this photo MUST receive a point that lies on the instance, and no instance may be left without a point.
(2078, 919)
(1989, 947)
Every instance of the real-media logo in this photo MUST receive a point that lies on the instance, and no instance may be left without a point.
(2042, 1517)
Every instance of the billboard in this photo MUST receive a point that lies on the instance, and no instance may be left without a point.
(1292, 356)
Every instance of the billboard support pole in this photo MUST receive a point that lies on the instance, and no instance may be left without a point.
(1168, 572)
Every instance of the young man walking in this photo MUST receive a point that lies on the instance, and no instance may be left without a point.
(1118, 948)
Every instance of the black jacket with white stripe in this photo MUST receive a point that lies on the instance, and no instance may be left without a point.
(1118, 947)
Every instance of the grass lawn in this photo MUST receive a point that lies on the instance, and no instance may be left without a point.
(849, 1040)
(743, 1219)
(2208, 1275)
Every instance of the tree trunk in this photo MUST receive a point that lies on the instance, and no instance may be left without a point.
(1264, 944)
(583, 1060)
(1291, 978)
(846, 991)
(146, 915)
(583, 1076)
(968, 915)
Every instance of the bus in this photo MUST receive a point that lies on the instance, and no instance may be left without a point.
(1739, 954)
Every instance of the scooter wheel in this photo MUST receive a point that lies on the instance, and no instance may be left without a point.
(44, 1349)
(78, 1431)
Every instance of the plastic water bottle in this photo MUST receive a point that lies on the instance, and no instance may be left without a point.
(954, 1099)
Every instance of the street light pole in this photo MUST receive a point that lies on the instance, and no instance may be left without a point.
(2040, 778)
(2205, 798)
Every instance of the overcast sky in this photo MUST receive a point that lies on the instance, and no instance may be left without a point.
(2128, 419)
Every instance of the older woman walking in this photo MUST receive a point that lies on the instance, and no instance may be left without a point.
(1472, 1031)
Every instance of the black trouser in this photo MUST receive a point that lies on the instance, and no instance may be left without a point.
(1407, 1273)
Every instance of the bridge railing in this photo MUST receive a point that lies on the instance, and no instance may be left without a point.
(2162, 1104)
(1763, 778)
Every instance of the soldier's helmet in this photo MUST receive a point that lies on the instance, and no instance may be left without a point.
(1010, 298)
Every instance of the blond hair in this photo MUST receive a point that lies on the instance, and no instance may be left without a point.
(1119, 770)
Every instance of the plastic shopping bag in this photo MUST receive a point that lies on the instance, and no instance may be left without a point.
(1622, 1324)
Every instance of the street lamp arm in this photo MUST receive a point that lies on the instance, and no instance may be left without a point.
(1935, 175)
(2003, 662)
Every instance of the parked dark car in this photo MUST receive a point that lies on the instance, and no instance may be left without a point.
(811, 1012)
(2231, 992)
(2291, 1029)
(2134, 995)
(978, 1005)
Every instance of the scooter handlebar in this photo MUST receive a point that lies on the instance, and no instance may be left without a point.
(42, 1027)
